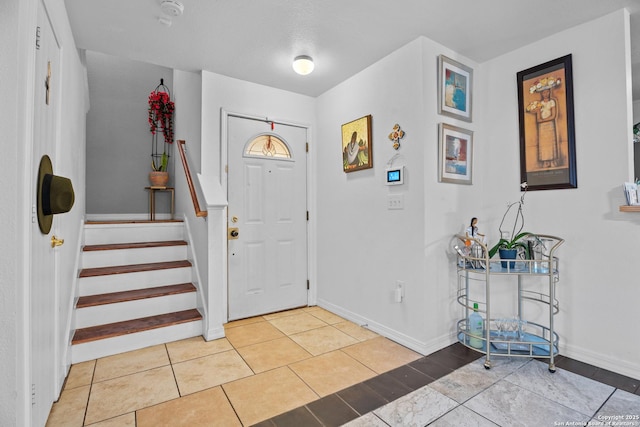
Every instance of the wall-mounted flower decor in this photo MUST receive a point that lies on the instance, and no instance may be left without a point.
(161, 110)
(396, 135)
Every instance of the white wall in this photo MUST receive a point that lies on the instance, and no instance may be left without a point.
(118, 138)
(239, 96)
(17, 21)
(13, 92)
(598, 290)
(365, 248)
(188, 96)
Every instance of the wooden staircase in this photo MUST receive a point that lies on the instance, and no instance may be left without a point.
(135, 288)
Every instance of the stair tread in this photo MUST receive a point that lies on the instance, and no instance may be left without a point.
(131, 221)
(133, 268)
(132, 295)
(111, 330)
(135, 245)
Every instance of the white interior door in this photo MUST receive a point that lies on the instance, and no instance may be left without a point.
(43, 266)
(267, 195)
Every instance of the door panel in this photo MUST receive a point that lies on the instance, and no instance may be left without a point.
(267, 198)
(43, 267)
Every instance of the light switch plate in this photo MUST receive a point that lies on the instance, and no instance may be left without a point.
(395, 201)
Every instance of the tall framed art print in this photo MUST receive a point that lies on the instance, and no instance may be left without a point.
(547, 127)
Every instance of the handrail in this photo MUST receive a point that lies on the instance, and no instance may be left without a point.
(187, 171)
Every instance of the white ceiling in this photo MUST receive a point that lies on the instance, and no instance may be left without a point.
(256, 40)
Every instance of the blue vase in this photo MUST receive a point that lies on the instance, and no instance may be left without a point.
(508, 254)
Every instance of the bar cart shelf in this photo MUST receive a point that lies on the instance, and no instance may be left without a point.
(475, 270)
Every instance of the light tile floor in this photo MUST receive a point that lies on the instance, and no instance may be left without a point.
(309, 367)
(265, 366)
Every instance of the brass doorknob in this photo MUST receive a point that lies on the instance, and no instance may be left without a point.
(56, 242)
(233, 233)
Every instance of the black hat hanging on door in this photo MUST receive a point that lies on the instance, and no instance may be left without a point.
(55, 194)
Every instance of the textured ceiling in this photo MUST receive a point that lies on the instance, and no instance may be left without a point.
(256, 40)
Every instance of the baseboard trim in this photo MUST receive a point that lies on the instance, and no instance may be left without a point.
(424, 348)
(214, 333)
(601, 361)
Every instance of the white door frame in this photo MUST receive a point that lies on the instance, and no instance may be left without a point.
(311, 224)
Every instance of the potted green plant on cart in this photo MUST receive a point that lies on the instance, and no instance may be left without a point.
(512, 241)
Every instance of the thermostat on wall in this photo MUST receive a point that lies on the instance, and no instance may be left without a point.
(395, 176)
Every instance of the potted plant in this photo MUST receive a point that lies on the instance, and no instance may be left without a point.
(159, 177)
(510, 242)
(161, 110)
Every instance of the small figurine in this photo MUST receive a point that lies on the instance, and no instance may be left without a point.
(472, 230)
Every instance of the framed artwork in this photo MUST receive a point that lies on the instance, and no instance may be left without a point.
(547, 127)
(455, 154)
(455, 85)
(357, 145)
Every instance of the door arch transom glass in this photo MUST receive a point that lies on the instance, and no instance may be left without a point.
(267, 145)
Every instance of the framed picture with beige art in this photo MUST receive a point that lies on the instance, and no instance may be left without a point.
(357, 145)
(547, 128)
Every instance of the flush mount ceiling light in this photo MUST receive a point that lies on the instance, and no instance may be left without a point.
(303, 65)
(172, 8)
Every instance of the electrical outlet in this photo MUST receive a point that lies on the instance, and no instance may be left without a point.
(395, 201)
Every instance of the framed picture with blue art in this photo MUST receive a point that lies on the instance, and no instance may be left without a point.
(455, 86)
(455, 154)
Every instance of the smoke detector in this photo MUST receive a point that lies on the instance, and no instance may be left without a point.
(172, 8)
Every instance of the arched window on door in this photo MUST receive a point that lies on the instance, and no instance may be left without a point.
(267, 145)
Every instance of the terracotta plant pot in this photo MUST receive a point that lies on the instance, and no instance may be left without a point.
(158, 179)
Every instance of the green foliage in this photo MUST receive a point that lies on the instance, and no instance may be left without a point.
(164, 161)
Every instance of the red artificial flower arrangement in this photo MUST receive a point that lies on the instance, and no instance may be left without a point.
(161, 110)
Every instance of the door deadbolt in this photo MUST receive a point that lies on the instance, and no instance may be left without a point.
(233, 233)
(234, 219)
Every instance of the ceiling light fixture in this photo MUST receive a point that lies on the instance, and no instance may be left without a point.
(303, 65)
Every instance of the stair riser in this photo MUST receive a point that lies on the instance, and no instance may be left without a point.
(111, 313)
(108, 258)
(95, 234)
(110, 346)
(130, 281)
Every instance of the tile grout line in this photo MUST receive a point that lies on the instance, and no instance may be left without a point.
(173, 372)
(86, 408)
(603, 403)
(231, 404)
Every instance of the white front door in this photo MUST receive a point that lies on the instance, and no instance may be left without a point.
(43, 267)
(267, 195)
